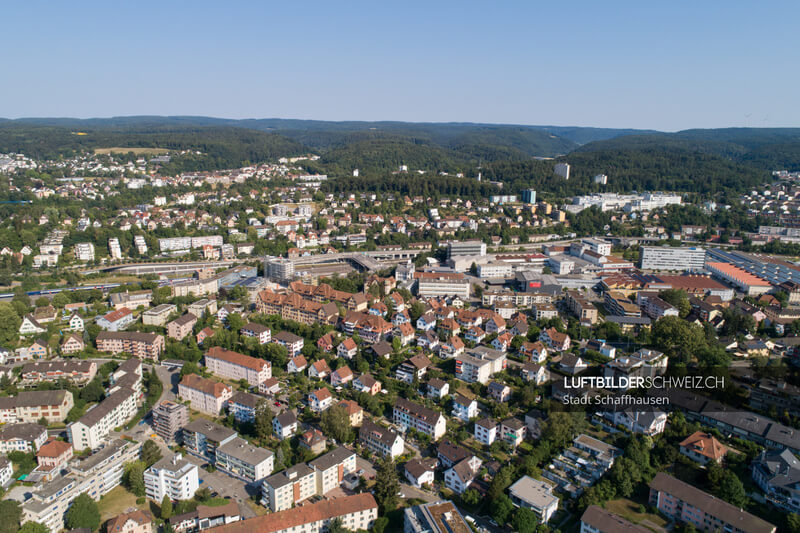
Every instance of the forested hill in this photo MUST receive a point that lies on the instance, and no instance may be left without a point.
(704, 161)
(220, 147)
(766, 148)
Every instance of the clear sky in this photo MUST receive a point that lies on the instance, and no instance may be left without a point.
(663, 65)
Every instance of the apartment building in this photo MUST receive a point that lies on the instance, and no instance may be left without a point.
(581, 307)
(538, 496)
(257, 331)
(408, 414)
(294, 307)
(168, 420)
(357, 512)
(94, 475)
(235, 366)
(179, 328)
(202, 438)
(204, 395)
(686, 503)
(381, 441)
(436, 517)
(25, 437)
(76, 371)
(244, 406)
(141, 345)
(285, 489)
(290, 341)
(200, 307)
(31, 406)
(116, 409)
(158, 315)
(302, 481)
(174, 477)
(130, 299)
(480, 364)
(597, 520)
(242, 460)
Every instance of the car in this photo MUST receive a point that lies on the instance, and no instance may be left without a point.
(360, 472)
(277, 404)
(493, 522)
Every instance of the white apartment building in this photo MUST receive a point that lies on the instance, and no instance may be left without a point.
(95, 475)
(93, 427)
(672, 258)
(236, 366)
(380, 440)
(285, 489)
(84, 251)
(480, 364)
(172, 476)
(114, 250)
(408, 414)
(141, 245)
(204, 395)
(486, 431)
(242, 460)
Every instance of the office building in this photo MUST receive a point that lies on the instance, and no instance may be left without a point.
(529, 196)
(455, 248)
(672, 258)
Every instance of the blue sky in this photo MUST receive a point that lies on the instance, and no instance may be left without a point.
(661, 65)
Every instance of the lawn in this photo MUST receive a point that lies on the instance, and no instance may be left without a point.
(116, 502)
(630, 511)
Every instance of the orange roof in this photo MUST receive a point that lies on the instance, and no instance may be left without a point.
(113, 316)
(706, 445)
(304, 514)
(206, 386)
(738, 274)
(53, 448)
(236, 358)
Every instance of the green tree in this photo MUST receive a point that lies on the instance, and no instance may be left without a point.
(9, 324)
(380, 525)
(500, 482)
(263, 420)
(133, 477)
(166, 507)
(471, 498)
(93, 392)
(678, 299)
(387, 485)
(793, 523)
(525, 521)
(732, 490)
(335, 423)
(33, 527)
(151, 453)
(10, 516)
(83, 513)
(501, 508)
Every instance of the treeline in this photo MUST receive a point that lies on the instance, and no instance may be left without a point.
(220, 147)
(413, 185)
(630, 170)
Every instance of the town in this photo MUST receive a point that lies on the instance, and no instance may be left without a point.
(258, 348)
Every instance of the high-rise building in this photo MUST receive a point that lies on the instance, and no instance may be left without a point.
(562, 169)
(278, 269)
(114, 249)
(168, 419)
(529, 196)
